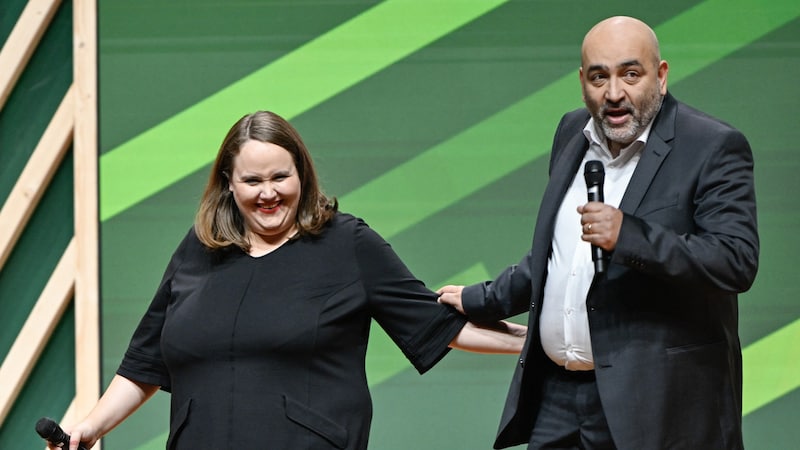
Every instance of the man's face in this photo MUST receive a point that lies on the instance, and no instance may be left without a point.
(623, 84)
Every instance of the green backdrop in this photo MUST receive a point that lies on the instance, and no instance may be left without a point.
(432, 120)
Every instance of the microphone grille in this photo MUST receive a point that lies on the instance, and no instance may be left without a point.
(45, 427)
(593, 173)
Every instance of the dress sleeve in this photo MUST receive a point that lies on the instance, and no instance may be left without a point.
(402, 305)
(142, 361)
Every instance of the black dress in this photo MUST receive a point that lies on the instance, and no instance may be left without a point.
(269, 352)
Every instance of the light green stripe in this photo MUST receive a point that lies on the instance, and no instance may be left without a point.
(465, 163)
(771, 367)
(492, 149)
(718, 28)
(289, 86)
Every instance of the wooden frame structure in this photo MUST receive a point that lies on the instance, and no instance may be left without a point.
(76, 275)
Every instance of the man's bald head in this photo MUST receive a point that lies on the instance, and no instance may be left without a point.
(619, 30)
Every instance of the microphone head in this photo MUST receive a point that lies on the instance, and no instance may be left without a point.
(51, 431)
(46, 427)
(593, 173)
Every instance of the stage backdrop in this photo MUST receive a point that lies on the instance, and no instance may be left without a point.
(432, 120)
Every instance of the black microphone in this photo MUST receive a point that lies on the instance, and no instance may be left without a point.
(49, 430)
(594, 174)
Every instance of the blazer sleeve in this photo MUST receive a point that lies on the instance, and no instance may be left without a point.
(401, 304)
(713, 243)
(142, 361)
(507, 295)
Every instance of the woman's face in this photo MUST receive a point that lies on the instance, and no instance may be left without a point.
(266, 188)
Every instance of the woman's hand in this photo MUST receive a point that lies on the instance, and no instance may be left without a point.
(120, 400)
(82, 436)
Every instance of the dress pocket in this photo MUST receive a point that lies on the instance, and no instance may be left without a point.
(316, 422)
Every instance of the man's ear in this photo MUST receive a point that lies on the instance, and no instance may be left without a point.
(663, 69)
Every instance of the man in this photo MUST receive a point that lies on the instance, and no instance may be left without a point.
(644, 355)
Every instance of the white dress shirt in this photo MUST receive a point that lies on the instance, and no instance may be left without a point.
(564, 324)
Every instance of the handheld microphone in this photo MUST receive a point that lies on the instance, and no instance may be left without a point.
(594, 174)
(49, 430)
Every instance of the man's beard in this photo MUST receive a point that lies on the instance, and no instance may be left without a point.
(640, 118)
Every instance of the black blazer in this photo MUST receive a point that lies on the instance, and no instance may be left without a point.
(663, 319)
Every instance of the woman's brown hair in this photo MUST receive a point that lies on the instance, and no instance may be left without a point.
(219, 223)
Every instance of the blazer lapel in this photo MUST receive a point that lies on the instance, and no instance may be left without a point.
(561, 175)
(653, 154)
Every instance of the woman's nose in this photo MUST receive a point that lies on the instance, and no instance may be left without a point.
(266, 191)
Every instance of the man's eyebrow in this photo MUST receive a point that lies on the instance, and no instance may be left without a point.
(594, 67)
(629, 63)
(622, 65)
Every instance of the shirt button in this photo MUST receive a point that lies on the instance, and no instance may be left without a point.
(521, 362)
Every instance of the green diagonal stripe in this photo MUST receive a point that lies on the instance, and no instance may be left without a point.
(289, 86)
(506, 141)
(766, 377)
(464, 163)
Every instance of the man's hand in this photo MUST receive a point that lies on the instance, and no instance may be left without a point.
(600, 224)
(451, 295)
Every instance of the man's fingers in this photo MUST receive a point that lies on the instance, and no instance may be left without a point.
(447, 289)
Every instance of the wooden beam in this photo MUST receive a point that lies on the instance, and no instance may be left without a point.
(36, 331)
(85, 151)
(36, 175)
(22, 42)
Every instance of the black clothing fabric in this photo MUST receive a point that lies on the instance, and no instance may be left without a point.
(269, 352)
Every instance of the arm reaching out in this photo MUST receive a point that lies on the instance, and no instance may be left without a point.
(498, 337)
(495, 337)
(120, 400)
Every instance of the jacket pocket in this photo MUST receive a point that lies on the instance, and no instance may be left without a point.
(701, 351)
(657, 206)
(316, 422)
(177, 424)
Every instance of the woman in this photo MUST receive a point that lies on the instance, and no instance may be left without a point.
(259, 327)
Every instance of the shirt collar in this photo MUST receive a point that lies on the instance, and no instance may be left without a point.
(594, 137)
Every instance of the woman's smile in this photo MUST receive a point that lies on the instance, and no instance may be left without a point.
(269, 209)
